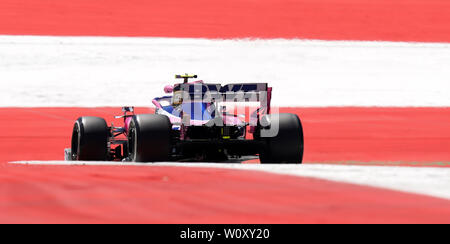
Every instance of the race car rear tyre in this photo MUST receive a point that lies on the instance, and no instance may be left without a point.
(149, 138)
(287, 145)
(90, 139)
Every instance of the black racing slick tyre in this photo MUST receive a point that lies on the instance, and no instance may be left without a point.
(286, 146)
(90, 139)
(149, 138)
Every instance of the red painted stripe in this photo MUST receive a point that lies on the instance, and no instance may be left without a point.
(101, 194)
(111, 194)
(411, 20)
(403, 135)
(406, 136)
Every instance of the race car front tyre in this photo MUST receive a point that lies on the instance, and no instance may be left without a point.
(90, 139)
(283, 137)
(149, 138)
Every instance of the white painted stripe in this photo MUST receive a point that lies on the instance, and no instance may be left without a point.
(425, 180)
(106, 71)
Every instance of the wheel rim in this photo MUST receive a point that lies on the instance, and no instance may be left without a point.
(132, 143)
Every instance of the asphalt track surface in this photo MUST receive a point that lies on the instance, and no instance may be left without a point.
(111, 194)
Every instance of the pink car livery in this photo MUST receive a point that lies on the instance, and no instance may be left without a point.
(196, 121)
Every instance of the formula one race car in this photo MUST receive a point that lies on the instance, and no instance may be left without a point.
(197, 122)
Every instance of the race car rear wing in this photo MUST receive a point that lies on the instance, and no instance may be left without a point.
(242, 92)
(209, 93)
